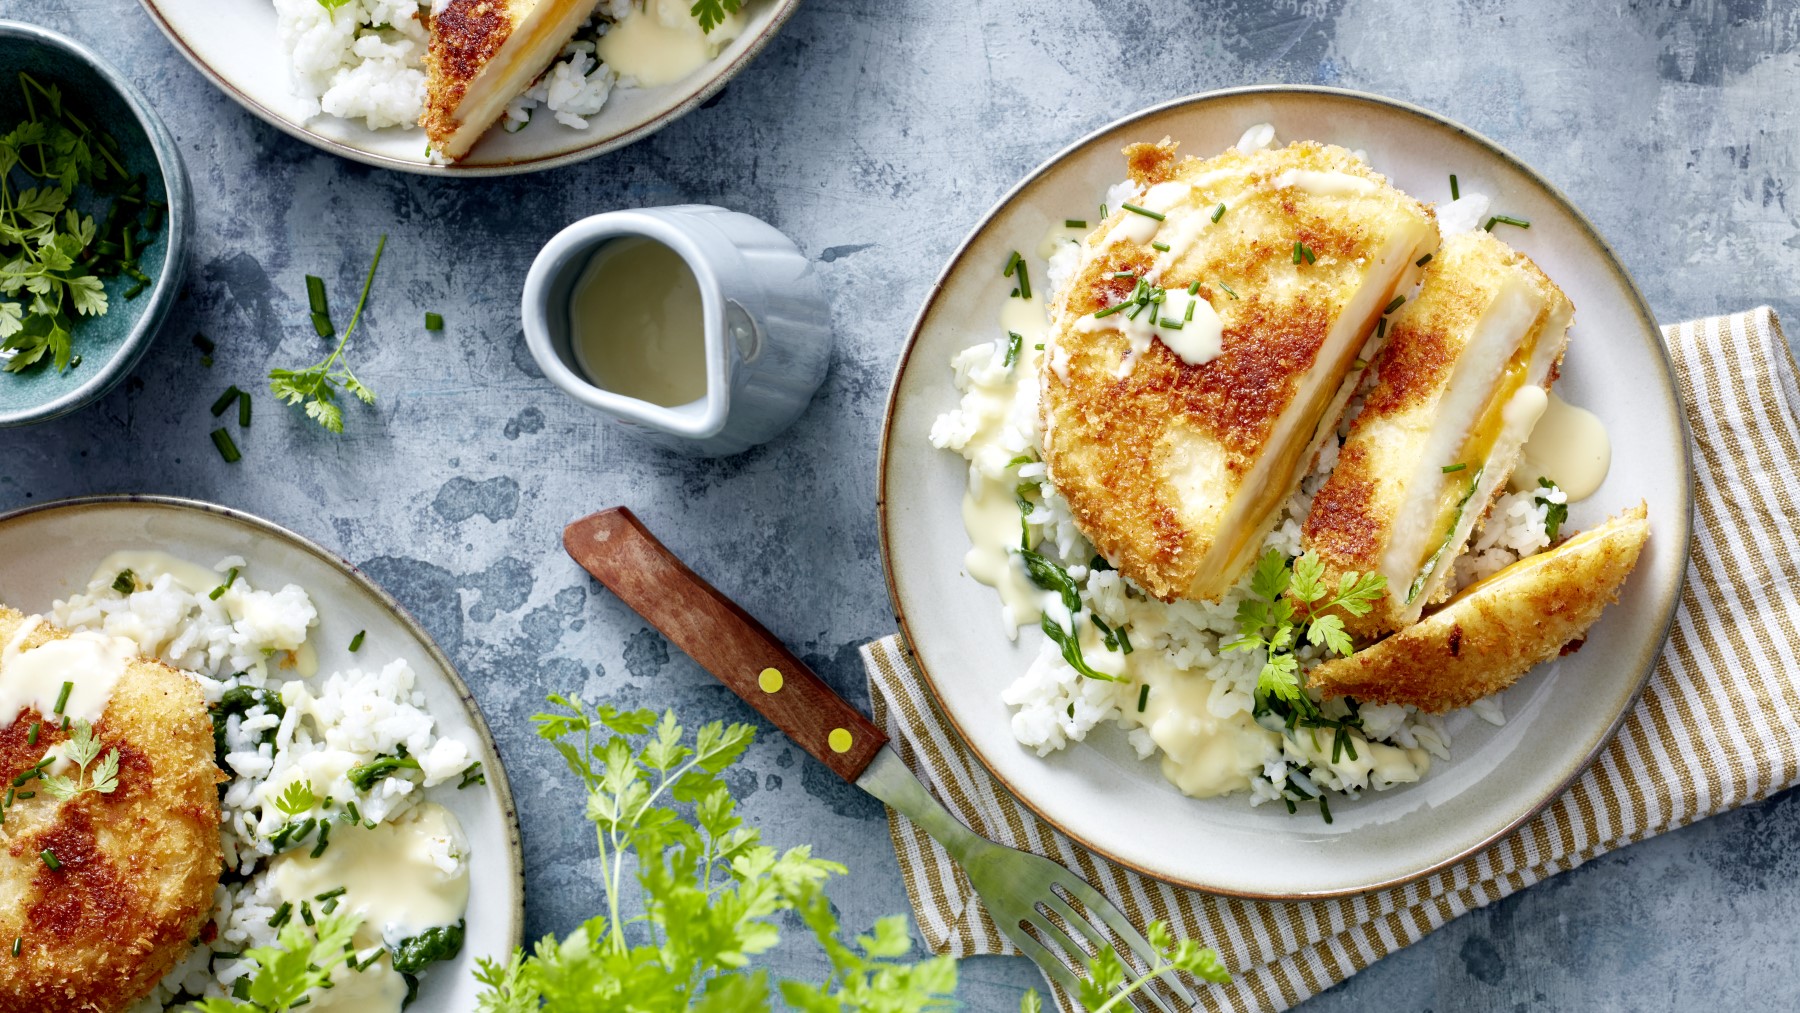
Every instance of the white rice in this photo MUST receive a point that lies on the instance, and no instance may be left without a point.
(255, 639)
(1054, 705)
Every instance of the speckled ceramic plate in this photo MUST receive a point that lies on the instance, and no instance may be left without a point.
(1559, 716)
(49, 552)
(235, 44)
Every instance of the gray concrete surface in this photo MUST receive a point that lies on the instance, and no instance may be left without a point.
(875, 134)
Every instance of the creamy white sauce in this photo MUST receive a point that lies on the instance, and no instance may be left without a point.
(147, 565)
(403, 877)
(1136, 228)
(377, 988)
(1324, 183)
(33, 678)
(662, 43)
(1570, 447)
(1204, 755)
(1196, 341)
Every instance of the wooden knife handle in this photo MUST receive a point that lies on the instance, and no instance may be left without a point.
(621, 553)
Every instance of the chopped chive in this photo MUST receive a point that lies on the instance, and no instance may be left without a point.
(356, 641)
(1399, 301)
(1074, 223)
(232, 393)
(1171, 325)
(1506, 220)
(125, 582)
(18, 944)
(219, 592)
(206, 361)
(1306, 251)
(1359, 363)
(65, 723)
(1122, 274)
(1218, 213)
(31, 736)
(434, 322)
(136, 289)
(1453, 468)
(204, 343)
(1110, 310)
(319, 849)
(1228, 290)
(244, 410)
(1324, 807)
(281, 915)
(315, 295)
(1015, 343)
(1337, 744)
(227, 448)
(62, 698)
(1124, 640)
(1143, 696)
(1455, 191)
(1146, 212)
(1014, 294)
(1422, 261)
(322, 326)
(354, 814)
(1024, 281)
(1194, 289)
(1160, 247)
(49, 858)
(1350, 746)
(1381, 328)
(1103, 213)
(1296, 251)
(1190, 311)
(27, 794)
(1012, 264)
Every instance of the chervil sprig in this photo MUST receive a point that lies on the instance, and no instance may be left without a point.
(1110, 982)
(1290, 604)
(302, 960)
(712, 13)
(317, 385)
(83, 749)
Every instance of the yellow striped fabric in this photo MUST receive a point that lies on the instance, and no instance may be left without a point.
(1717, 726)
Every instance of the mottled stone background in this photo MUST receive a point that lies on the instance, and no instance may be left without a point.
(875, 133)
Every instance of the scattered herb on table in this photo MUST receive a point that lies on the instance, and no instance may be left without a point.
(54, 256)
(434, 321)
(317, 385)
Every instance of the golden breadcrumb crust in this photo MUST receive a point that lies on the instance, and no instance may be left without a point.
(138, 866)
(1497, 629)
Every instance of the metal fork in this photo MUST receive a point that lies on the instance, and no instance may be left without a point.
(1019, 889)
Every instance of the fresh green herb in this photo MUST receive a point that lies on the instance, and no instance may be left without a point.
(1110, 982)
(415, 954)
(204, 343)
(712, 13)
(1359, 363)
(332, 5)
(1110, 310)
(1506, 220)
(227, 446)
(1012, 264)
(1555, 514)
(1425, 572)
(281, 915)
(1455, 192)
(1074, 223)
(1303, 252)
(1103, 213)
(1021, 497)
(18, 944)
(288, 973)
(225, 400)
(244, 409)
(1143, 697)
(1269, 620)
(1099, 563)
(297, 799)
(318, 850)
(1381, 327)
(1015, 342)
(231, 577)
(434, 322)
(1450, 469)
(316, 385)
(83, 750)
(356, 642)
(1397, 302)
(1228, 290)
(364, 777)
(1146, 212)
(1160, 247)
(31, 735)
(1051, 577)
(1070, 645)
(62, 698)
(321, 313)
(1024, 281)
(49, 859)
(710, 896)
(1218, 213)
(125, 582)
(1422, 261)
(471, 775)
(54, 257)
(1026, 458)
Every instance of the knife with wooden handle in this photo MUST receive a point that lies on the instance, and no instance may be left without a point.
(621, 553)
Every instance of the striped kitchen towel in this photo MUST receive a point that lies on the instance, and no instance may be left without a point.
(1718, 724)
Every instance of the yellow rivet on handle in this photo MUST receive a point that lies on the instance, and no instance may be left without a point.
(770, 680)
(840, 740)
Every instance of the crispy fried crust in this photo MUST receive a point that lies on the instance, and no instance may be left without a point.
(465, 36)
(1126, 450)
(138, 866)
(1498, 629)
(482, 54)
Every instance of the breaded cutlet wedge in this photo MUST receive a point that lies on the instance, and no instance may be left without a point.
(135, 868)
(482, 54)
(1497, 629)
(1459, 385)
(1200, 354)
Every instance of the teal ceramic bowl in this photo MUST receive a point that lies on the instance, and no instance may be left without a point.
(109, 345)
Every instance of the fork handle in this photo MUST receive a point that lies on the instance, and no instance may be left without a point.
(621, 553)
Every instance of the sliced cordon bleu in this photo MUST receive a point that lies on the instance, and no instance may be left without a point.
(1202, 351)
(1459, 384)
(482, 55)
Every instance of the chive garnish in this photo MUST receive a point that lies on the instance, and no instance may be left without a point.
(227, 447)
(434, 322)
(281, 915)
(219, 592)
(125, 582)
(1506, 220)
(1381, 328)
(1110, 310)
(31, 736)
(1074, 223)
(1449, 469)
(319, 849)
(1160, 247)
(1324, 807)
(1143, 696)
(356, 641)
(1171, 325)
(306, 914)
(231, 394)
(1399, 300)
(1103, 213)
(62, 698)
(1455, 192)
(1122, 274)
(18, 944)
(1146, 212)
(315, 299)
(1359, 363)
(244, 410)
(1228, 290)
(1218, 213)
(49, 858)
(1422, 261)
(1303, 251)
(1190, 311)
(1194, 289)
(204, 343)
(1012, 264)
(1124, 640)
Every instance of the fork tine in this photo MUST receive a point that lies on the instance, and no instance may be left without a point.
(1054, 967)
(1103, 909)
(1093, 935)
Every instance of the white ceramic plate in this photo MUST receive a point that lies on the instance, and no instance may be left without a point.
(234, 43)
(49, 552)
(1559, 716)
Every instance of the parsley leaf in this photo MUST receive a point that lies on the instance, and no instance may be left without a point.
(1269, 620)
(1110, 982)
(301, 961)
(1555, 514)
(83, 748)
(712, 13)
(317, 385)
